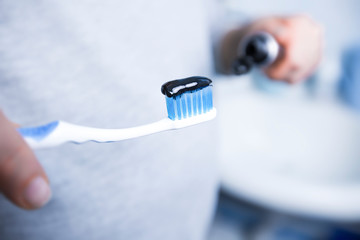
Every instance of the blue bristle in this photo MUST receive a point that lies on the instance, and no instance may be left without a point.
(194, 103)
(178, 107)
(205, 100)
(210, 98)
(183, 106)
(190, 103)
(170, 108)
(199, 102)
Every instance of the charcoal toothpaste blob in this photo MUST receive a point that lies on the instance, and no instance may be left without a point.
(188, 102)
(177, 87)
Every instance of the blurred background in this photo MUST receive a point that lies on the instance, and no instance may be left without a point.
(289, 155)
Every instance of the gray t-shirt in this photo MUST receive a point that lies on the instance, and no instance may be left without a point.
(101, 64)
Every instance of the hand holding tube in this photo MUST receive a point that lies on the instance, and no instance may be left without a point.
(299, 37)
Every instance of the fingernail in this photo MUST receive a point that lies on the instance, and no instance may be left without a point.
(37, 193)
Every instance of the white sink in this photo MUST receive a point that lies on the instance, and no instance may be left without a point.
(292, 151)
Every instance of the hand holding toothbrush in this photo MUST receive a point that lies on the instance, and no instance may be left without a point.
(22, 179)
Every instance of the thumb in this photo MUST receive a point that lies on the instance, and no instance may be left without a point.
(22, 179)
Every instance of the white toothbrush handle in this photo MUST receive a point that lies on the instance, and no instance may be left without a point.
(59, 132)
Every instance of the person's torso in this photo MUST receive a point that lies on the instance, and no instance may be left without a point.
(101, 64)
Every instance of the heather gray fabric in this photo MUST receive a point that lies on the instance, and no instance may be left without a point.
(101, 64)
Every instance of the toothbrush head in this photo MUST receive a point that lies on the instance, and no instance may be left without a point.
(189, 98)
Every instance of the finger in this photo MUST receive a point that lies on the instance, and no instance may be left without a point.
(276, 26)
(281, 69)
(22, 179)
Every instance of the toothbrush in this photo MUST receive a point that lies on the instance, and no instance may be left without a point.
(188, 101)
